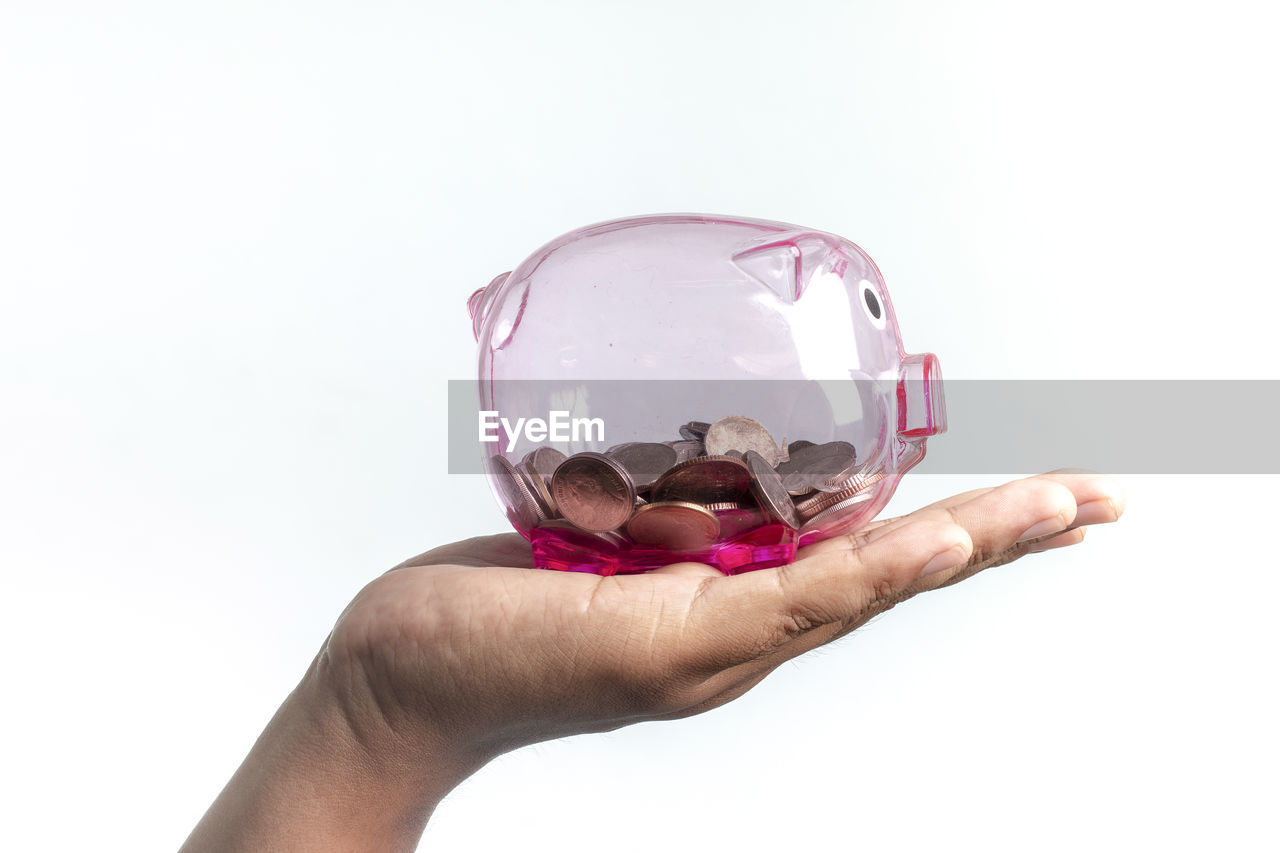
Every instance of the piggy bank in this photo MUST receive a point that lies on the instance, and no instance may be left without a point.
(695, 388)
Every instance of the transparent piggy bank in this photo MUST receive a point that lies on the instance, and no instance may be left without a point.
(675, 388)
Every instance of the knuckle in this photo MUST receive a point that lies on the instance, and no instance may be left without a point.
(798, 620)
(1047, 497)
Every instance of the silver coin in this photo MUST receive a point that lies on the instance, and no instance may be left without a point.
(822, 501)
(537, 485)
(837, 508)
(522, 508)
(686, 449)
(767, 486)
(544, 460)
(822, 466)
(705, 480)
(695, 430)
(645, 461)
(609, 451)
(862, 480)
(797, 483)
(740, 433)
(819, 501)
(593, 492)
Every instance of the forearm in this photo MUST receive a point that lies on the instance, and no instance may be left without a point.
(318, 780)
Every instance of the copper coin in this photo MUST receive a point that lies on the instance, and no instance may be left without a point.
(837, 508)
(740, 433)
(676, 525)
(538, 487)
(593, 491)
(695, 430)
(819, 501)
(645, 461)
(522, 508)
(726, 506)
(705, 480)
(736, 522)
(544, 460)
(608, 539)
(767, 486)
(822, 501)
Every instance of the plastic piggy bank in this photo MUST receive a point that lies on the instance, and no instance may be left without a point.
(705, 388)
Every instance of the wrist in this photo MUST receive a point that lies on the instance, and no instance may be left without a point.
(329, 773)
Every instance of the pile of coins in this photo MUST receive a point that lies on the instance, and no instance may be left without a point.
(717, 481)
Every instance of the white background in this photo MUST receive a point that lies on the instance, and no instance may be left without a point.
(235, 246)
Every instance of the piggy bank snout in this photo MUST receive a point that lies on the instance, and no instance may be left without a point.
(922, 411)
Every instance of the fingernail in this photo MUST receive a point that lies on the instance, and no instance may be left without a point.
(948, 559)
(1049, 525)
(1100, 511)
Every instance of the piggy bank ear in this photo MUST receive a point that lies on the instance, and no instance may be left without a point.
(785, 262)
(482, 300)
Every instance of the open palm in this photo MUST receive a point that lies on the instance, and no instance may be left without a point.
(466, 639)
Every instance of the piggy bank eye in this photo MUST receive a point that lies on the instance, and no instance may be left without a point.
(871, 303)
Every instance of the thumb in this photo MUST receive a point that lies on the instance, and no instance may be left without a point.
(744, 617)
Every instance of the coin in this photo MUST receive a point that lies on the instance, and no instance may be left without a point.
(608, 539)
(799, 445)
(821, 466)
(538, 488)
(767, 486)
(705, 480)
(740, 433)
(822, 501)
(797, 483)
(838, 507)
(644, 461)
(686, 449)
(522, 508)
(726, 506)
(695, 430)
(609, 451)
(738, 522)
(677, 525)
(863, 479)
(544, 460)
(593, 491)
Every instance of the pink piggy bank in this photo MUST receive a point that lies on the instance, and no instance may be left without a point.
(686, 387)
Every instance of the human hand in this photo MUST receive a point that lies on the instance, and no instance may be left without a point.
(463, 653)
